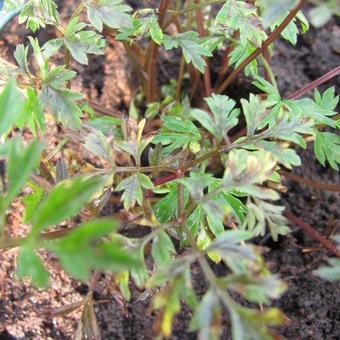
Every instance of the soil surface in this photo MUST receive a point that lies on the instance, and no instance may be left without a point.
(311, 305)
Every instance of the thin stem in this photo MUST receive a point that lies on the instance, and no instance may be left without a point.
(153, 56)
(198, 5)
(67, 60)
(225, 62)
(274, 35)
(312, 232)
(180, 78)
(78, 10)
(310, 183)
(144, 169)
(269, 73)
(331, 74)
(180, 204)
(201, 32)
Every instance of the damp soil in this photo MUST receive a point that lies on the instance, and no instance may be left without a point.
(311, 305)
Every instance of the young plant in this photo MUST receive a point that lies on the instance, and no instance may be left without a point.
(204, 181)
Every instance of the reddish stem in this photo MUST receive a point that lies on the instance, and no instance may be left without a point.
(312, 232)
(331, 74)
(274, 35)
(310, 183)
(153, 55)
(201, 32)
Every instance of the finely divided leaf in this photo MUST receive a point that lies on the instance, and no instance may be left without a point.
(327, 147)
(112, 13)
(243, 17)
(191, 44)
(133, 189)
(224, 116)
(80, 42)
(59, 99)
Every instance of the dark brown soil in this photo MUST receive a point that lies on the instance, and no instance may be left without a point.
(310, 304)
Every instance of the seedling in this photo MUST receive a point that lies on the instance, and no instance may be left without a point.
(203, 182)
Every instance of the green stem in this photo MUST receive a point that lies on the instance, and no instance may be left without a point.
(269, 72)
(180, 78)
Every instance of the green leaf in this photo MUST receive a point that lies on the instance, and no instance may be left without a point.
(20, 56)
(225, 117)
(273, 10)
(60, 100)
(156, 32)
(177, 133)
(107, 125)
(254, 111)
(31, 202)
(162, 249)
(291, 31)
(252, 324)
(39, 13)
(123, 281)
(32, 114)
(320, 15)
(239, 53)
(328, 100)
(243, 17)
(206, 318)
(97, 143)
(29, 265)
(191, 44)
(51, 47)
(167, 207)
(169, 301)
(11, 105)
(262, 214)
(80, 42)
(132, 187)
(139, 273)
(331, 272)
(287, 157)
(327, 147)
(80, 251)
(259, 288)
(65, 200)
(21, 162)
(112, 13)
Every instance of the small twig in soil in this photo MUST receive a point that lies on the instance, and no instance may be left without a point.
(312, 232)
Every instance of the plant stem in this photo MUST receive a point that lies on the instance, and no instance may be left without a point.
(269, 73)
(201, 32)
(310, 183)
(225, 61)
(312, 232)
(180, 78)
(144, 169)
(331, 74)
(153, 56)
(274, 35)
(198, 5)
